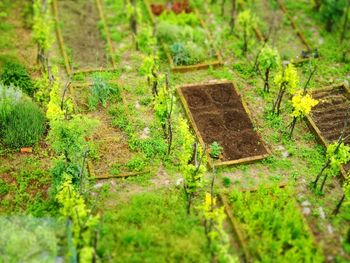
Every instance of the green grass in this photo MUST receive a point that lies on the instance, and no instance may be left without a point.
(152, 227)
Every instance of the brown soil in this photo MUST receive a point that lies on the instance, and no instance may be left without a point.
(219, 114)
(80, 31)
(330, 113)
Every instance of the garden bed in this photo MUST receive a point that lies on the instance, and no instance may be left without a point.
(218, 113)
(211, 58)
(81, 42)
(269, 225)
(327, 117)
(112, 148)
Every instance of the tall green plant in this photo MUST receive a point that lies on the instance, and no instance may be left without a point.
(268, 60)
(246, 23)
(42, 27)
(22, 122)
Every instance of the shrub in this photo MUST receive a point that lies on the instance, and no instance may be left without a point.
(17, 75)
(22, 122)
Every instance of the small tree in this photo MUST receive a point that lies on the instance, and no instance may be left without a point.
(150, 69)
(218, 240)
(286, 79)
(81, 223)
(302, 105)
(42, 26)
(191, 159)
(246, 22)
(337, 154)
(268, 60)
(331, 12)
(346, 195)
(163, 106)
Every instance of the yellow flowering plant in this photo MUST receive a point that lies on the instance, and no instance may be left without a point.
(302, 104)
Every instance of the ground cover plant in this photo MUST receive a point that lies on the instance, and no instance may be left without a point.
(101, 162)
(273, 229)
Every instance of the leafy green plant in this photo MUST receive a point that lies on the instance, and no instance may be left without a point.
(17, 75)
(145, 40)
(331, 12)
(42, 27)
(4, 188)
(268, 60)
(218, 240)
(302, 105)
(180, 54)
(215, 150)
(139, 229)
(226, 181)
(100, 92)
(337, 154)
(246, 22)
(286, 80)
(22, 122)
(186, 40)
(71, 137)
(272, 226)
(81, 221)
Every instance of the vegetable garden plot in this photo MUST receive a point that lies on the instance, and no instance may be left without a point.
(218, 113)
(184, 36)
(112, 146)
(327, 117)
(78, 25)
(272, 227)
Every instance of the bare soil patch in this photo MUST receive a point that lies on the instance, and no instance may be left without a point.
(79, 24)
(220, 116)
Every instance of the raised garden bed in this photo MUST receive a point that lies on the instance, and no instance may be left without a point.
(218, 113)
(268, 224)
(185, 38)
(82, 46)
(112, 147)
(327, 117)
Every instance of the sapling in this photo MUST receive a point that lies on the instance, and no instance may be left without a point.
(246, 22)
(337, 154)
(73, 208)
(286, 79)
(346, 195)
(302, 105)
(42, 26)
(218, 240)
(268, 60)
(163, 106)
(150, 69)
